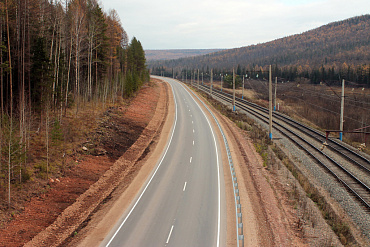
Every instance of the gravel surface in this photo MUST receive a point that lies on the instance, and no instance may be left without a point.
(316, 173)
(324, 181)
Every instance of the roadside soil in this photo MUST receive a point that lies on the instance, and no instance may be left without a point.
(276, 210)
(118, 128)
(108, 213)
(271, 215)
(263, 223)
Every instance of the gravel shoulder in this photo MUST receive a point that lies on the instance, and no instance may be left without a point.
(104, 218)
(72, 219)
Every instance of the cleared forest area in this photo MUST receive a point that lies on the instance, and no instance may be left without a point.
(63, 63)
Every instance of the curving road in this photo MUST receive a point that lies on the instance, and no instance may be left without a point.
(182, 203)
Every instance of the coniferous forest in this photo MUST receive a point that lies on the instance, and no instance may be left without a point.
(330, 53)
(57, 57)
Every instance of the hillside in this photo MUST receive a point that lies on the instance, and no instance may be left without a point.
(336, 49)
(176, 53)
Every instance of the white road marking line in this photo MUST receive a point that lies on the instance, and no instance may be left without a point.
(193, 143)
(218, 168)
(169, 235)
(189, 109)
(184, 187)
(155, 172)
(191, 158)
(193, 131)
(192, 121)
(191, 115)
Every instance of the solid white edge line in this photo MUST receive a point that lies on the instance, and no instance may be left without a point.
(169, 235)
(218, 171)
(164, 155)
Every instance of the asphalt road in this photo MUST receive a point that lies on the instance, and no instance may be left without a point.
(183, 201)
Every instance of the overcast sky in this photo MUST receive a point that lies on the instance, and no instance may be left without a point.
(205, 24)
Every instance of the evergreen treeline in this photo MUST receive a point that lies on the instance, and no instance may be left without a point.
(55, 55)
(339, 50)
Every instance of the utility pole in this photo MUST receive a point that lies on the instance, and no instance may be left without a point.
(198, 78)
(233, 89)
(186, 76)
(202, 78)
(243, 89)
(191, 78)
(275, 94)
(195, 72)
(341, 114)
(211, 82)
(270, 103)
(221, 82)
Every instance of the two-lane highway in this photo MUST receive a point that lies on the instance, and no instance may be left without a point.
(182, 203)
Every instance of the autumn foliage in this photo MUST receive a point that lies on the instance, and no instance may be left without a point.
(56, 56)
(339, 50)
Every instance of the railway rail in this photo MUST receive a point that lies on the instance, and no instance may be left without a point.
(309, 139)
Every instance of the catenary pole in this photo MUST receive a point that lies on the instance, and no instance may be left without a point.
(341, 114)
(233, 89)
(221, 82)
(275, 94)
(243, 89)
(211, 82)
(270, 103)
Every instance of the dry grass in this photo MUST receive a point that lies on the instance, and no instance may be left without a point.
(270, 153)
(317, 106)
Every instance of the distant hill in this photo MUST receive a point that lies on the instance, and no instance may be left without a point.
(336, 50)
(176, 53)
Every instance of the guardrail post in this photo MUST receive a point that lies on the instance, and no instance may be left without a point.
(240, 225)
(241, 237)
(240, 217)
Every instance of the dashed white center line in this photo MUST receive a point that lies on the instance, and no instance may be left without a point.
(193, 131)
(191, 158)
(189, 109)
(184, 187)
(169, 235)
(192, 121)
(193, 143)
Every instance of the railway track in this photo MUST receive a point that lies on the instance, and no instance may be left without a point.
(311, 141)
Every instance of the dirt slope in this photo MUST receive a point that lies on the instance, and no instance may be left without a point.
(119, 128)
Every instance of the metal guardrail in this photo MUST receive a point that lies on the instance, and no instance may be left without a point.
(238, 209)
